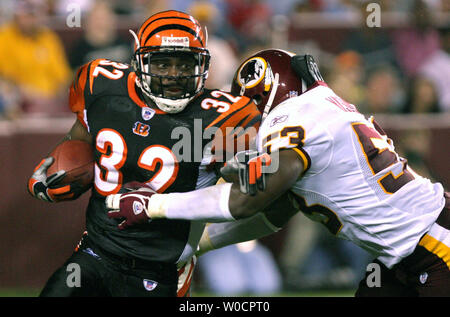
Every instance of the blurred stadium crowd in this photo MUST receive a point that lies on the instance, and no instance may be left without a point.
(398, 69)
(402, 67)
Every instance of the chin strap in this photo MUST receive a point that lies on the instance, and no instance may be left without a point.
(169, 105)
(271, 97)
(166, 105)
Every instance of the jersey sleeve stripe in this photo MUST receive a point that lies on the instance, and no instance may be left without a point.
(235, 108)
(252, 120)
(92, 67)
(304, 157)
(238, 119)
(436, 247)
(77, 102)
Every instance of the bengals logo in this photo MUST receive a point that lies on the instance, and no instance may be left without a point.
(141, 129)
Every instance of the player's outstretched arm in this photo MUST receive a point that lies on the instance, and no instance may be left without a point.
(289, 171)
(265, 223)
(46, 188)
(219, 203)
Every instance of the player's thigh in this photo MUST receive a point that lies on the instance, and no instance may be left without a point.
(434, 283)
(430, 267)
(131, 285)
(80, 275)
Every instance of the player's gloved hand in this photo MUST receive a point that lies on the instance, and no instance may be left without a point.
(249, 165)
(132, 206)
(47, 188)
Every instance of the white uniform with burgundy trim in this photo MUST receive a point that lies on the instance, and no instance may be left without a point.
(354, 182)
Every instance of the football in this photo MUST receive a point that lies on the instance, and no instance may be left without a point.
(76, 158)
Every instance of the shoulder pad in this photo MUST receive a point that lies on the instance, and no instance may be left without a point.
(231, 110)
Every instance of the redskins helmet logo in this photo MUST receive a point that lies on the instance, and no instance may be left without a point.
(252, 72)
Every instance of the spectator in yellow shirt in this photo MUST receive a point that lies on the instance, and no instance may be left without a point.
(33, 59)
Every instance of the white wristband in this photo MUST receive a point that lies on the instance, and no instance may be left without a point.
(157, 206)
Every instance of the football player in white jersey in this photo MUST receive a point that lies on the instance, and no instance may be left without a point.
(334, 165)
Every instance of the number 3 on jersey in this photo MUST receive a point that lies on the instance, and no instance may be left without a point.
(113, 149)
(379, 155)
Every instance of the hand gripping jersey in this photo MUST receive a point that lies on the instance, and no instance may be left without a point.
(135, 142)
(354, 182)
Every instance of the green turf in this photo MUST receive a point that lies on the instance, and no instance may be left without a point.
(18, 292)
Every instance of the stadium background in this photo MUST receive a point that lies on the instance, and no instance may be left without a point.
(364, 65)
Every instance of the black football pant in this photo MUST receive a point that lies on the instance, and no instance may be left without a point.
(425, 272)
(89, 272)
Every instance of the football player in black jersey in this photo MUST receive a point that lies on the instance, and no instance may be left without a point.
(134, 116)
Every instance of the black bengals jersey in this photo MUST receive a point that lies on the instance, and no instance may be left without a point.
(137, 142)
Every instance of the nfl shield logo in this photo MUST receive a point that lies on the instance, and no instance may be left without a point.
(423, 277)
(150, 285)
(137, 207)
(147, 113)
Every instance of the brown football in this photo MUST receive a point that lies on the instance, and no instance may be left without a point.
(76, 158)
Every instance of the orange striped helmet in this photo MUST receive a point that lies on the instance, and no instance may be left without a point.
(171, 37)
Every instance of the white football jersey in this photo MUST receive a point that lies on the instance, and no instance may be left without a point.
(354, 182)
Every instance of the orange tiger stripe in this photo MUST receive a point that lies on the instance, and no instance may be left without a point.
(167, 21)
(238, 105)
(236, 118)
(239, 137)
(168, 18)
(76, 94)
(156, 41)
(164, 14)
(250, 118)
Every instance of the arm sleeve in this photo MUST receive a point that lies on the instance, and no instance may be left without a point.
(218, 235)
(208, 204)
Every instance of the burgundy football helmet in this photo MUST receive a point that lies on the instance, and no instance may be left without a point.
(271, 76)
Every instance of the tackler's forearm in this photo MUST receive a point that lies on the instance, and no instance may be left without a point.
(208, 204)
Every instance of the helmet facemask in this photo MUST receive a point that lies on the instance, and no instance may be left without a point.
(172, 90)
(177, 36)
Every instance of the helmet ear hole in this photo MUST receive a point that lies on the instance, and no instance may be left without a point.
(265, 93)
